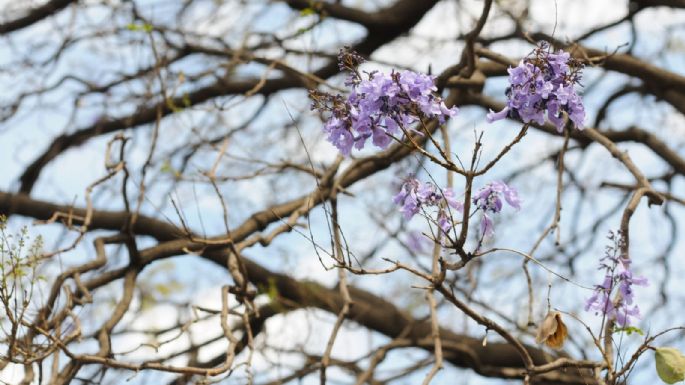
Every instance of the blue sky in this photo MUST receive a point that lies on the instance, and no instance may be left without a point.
(22, 138)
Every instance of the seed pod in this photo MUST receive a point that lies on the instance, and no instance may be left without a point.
(670, 365)
(552, 331)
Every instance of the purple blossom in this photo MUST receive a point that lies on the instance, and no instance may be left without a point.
(543, 82)
(338, 135)
(379, 106)
(486, 226)
(415, 196)
(618, 283)
(488, 197)
(493, 116)
(448, 195)
(444, 221)
(489, 200)
(417, 242)
(407, 198)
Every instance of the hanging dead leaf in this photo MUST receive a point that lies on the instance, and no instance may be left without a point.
(552, 331)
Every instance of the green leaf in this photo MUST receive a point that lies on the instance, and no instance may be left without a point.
(670, 365)
(19, 272)
(630, 330)
(139, 27)
(166, 167)
(307, 11)
(272, 289)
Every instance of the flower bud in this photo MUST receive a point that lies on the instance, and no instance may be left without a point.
(670, 365)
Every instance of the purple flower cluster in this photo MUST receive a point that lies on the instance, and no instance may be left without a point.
(544, 82)
(619, 280)
(415, 196)
(380, 105)
(488, 199)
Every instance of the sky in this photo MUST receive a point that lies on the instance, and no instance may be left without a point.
(65, 179)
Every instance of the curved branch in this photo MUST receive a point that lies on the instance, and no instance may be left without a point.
(35, 15)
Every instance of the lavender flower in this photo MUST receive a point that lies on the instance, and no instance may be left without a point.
(544, 82)
(379, 106)
(488, 200)
(415, 196)
(618, 282)
(417, 242)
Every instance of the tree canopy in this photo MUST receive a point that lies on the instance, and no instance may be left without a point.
(356, 192)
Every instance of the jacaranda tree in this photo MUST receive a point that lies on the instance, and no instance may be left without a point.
(354, 192)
